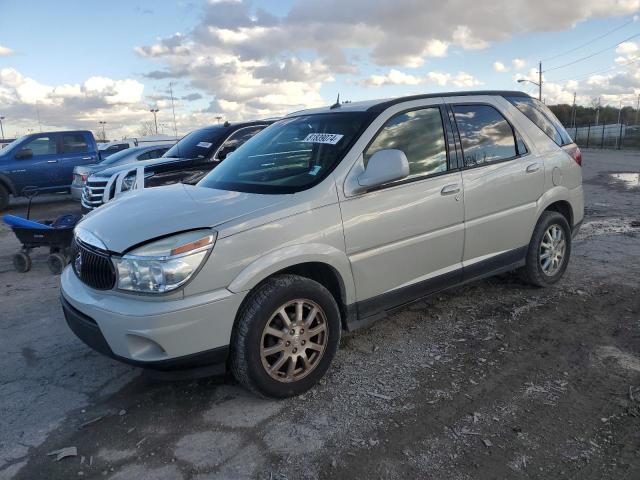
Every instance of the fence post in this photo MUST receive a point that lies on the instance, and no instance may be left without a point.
(620, 138)
(588, 133)
(602, 139)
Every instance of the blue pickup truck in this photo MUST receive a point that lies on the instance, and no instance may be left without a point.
(44, 161)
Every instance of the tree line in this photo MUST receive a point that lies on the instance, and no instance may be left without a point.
(587, 115)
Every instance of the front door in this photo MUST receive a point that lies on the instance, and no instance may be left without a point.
(405, 239)
(39, 170)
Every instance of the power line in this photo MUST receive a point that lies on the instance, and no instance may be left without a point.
(620, 27)
(602, 70)
(593, 54)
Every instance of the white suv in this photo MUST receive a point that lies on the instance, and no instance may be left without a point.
(322, 222)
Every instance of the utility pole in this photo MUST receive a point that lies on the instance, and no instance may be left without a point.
(175, 129)
(637, 109)
(2, 129)
(540, 80)
(573, 112)
(38, 116)
(597, 111)
(155, 118)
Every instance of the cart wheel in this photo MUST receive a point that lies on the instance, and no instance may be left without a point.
(21, 262)
(56, 263)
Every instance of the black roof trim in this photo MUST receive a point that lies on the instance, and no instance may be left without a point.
(379, 107)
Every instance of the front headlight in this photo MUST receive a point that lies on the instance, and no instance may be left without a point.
(165, 264)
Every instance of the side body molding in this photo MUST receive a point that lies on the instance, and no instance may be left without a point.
(292, 255)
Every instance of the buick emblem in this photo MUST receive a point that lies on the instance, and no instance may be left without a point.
(78, 263)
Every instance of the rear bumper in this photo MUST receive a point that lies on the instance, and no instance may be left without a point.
(76, 192)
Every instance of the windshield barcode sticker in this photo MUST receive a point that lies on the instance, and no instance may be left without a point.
(329, 138)
(204, 144)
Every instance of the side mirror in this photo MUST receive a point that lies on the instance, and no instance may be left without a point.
(384, 166)
(24, 153)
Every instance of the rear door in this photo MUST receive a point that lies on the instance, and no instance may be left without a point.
(502, 183)
(76, 149)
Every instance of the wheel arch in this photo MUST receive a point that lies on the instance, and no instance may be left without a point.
(322, 263)
(557, 200)
(7, 183)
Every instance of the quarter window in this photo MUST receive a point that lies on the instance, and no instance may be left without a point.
(544, 118)
(420, 135)
(485, 134)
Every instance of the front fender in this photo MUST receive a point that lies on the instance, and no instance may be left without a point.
(293, 255)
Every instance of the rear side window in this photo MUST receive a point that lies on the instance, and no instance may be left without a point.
(74, 143)
(151, 154)
(485, 134)
(543, 118)
(420, 135)
(238, 137)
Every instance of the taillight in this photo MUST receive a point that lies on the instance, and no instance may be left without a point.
(576, 154)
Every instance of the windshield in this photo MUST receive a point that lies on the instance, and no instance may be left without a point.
(198, 144)
(116, 157)
(290, 155)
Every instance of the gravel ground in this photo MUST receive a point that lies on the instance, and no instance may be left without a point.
(491, 380)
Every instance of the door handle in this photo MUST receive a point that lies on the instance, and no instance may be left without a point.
(450, 189)
(534, 167)
(87, 158)
(52, 161)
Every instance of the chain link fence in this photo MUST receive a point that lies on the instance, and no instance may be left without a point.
(616, 136)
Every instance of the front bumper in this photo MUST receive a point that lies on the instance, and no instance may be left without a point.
(155, 333)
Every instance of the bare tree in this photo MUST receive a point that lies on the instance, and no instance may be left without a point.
(146, 128)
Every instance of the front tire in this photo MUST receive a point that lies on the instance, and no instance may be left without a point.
(286, 336)
(549, 250)
(4, 198)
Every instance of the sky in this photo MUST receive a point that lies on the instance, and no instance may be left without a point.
(73, 64)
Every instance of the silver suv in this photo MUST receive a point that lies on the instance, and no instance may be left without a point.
(321, 223)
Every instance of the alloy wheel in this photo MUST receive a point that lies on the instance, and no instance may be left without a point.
(293, 340)
(552, 250)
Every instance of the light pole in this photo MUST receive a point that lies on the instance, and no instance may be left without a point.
(155, 118)
(538, 83)
(1, 128)
(218, 118)
(637, 108)
(104, 135)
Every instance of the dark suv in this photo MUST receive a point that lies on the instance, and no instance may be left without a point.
(188, 161)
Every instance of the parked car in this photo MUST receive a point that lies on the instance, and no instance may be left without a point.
(44, 161)
(108, 149)
(188, 161)
(323, 222)
(123, 157)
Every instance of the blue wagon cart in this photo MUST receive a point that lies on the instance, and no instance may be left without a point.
(56, 235)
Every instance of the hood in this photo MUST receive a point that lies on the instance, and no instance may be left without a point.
(138, 216)
(109, 171)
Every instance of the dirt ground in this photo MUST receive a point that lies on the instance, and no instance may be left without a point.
(491, 380)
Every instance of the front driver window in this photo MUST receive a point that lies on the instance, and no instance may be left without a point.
(44, 145)
(420, 135)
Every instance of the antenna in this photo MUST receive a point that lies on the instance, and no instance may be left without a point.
(337, 104)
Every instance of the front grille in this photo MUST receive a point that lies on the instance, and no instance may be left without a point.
(93, 267)
(92, 193)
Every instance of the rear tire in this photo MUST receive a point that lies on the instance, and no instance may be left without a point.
(4, 197)
(549, 251)
(303, 344)
(21, 262)
(56, 263)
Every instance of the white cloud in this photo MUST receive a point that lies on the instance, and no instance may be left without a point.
(519, 63)
(500, 67)
(627, 48)
(5, 51)
(442, 79)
